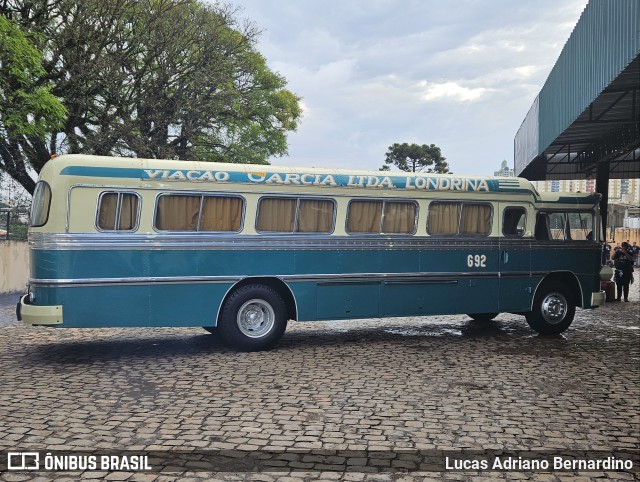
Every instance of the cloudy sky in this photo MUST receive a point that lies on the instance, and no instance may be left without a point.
(460, 74)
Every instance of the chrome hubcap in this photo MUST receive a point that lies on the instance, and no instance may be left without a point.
(554, 308)
(255, 318)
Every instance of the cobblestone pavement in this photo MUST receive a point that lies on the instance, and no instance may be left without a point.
(377, 393)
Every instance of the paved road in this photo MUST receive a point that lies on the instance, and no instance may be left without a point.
(381, 397)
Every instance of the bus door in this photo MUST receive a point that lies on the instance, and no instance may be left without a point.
(517, 220)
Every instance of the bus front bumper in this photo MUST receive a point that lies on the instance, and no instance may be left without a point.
(38, 315)
(597, 298)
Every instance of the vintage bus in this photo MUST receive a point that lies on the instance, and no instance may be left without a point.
(242, 249)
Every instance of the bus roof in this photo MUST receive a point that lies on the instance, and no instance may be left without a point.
(150, 172)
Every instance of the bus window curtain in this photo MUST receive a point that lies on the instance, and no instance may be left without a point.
(399, 218)
(276, 215)
(315, 216)
(364, 216)
(443, 218)
(475, 219)
(221, 214)
(178, 213)
(107, 212)
(128, 212)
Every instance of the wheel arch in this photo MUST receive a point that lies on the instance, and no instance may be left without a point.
(566, 278)
(272, 282)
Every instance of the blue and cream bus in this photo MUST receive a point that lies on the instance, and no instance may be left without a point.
(242, 249)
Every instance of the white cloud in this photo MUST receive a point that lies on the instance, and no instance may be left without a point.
(460, 75)
(451, 91)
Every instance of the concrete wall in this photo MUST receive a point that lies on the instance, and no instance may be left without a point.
(623, 234)
(14, 266)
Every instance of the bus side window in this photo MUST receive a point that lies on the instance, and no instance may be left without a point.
(364, 216)
(276, 215)
(40, 206)
(295, 215)
(475, 219)
(443, 218)
(459, 218)
(221, 213)
(399, 217)
(542, 227)
(315, 216)
(381, 217)
(514, 221)
(558, 226)
(201, 213)
(580, 226)
(177, 212)
(117, 211)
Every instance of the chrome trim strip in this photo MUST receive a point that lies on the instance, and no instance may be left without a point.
(351, 282)
(220, 241)
(322, 279)
(422, 282)
(415, 278)
(129, 281)
(520, 274)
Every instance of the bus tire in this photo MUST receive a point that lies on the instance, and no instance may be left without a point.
(482, 316)
(553, 310)
(211, 329)
(253, 318)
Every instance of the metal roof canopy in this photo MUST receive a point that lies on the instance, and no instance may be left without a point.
(585, 123)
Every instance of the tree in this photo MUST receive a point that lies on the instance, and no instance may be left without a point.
(415, 158)
(28, 109)
(156, 79)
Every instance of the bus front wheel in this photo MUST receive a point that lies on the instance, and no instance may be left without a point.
(254, 317)
(553, 310)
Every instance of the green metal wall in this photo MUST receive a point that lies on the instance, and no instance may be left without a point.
(605, 40)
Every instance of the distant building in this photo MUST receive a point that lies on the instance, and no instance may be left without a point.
(505, 171)
(621, 191)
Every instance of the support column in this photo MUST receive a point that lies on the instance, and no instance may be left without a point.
(602, 187)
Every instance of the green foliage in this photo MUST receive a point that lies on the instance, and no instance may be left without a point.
(270, 111)
(28, 109)
(415, 158)
(18, 226)
(154, 79)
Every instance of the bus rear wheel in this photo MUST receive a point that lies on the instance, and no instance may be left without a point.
(253, 318)
(553, 310)
(482, 316)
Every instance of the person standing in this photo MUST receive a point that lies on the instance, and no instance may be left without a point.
(606, 253)
(623, 264)
(636, 251)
